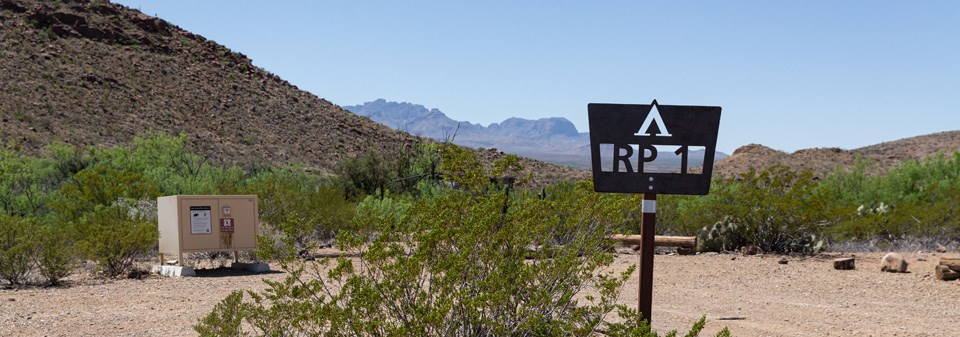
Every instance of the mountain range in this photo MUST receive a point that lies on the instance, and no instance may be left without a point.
(555, 139)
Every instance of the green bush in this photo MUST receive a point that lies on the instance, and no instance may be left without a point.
(635, 326)
(26, 184)
(390, 211)
(777, 209)
(937, 217)
(411, 170)
(165, 159)
(57, 254)
(914, 199)
(682, 214)
(18, 248)
(115, 237)
(366, 174)
(225, 318)
(417, 170)
(102, 185)
(28, 246)
(68, 159)
(299, 206)
(474, 261)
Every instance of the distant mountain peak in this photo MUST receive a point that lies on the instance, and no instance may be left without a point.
(551, 139)
(543, 127)
(433, 123)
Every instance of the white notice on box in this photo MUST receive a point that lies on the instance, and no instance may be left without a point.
(200, 220)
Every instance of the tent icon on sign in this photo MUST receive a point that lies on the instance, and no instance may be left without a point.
(653, 118)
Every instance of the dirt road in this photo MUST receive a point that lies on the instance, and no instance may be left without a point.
(752, 295)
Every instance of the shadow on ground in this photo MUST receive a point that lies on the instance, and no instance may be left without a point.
(228, 272)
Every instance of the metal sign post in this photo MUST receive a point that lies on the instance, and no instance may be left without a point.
(626, 144)
(647, 224)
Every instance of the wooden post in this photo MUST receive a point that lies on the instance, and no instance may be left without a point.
(658, 240)
(647, 224)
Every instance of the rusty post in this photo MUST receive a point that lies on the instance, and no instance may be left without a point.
(647, 224)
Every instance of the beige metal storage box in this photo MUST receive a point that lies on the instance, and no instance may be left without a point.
(207, 223)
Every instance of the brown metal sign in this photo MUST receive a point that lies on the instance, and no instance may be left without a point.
(639, 148)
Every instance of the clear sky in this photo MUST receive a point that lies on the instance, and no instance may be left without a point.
(788, 74)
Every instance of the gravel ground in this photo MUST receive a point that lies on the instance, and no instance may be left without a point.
(752, 295)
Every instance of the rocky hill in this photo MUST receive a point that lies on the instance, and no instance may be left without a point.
(96, 73)
(825, 160)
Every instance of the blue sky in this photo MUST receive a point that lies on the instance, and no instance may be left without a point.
(789, 75)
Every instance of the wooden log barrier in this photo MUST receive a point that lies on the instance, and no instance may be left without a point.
(951, 262)
(948, 269)
(658, 240)
(844, 263)
(946, 274)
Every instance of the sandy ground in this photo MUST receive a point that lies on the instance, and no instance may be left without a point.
(752, 295)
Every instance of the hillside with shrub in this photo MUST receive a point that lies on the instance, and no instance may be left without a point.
(96, 73)
(823, 161)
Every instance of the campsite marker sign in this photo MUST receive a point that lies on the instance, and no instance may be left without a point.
(626, 141)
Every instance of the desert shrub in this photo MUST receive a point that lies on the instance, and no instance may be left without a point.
(777, 209)
(911, 181)
(69, 159)
(683, 214)
(18, 248)
(102, 185)
(477, 260)
(320, 215)
(298, 206)
(28, 246)
(937, 215)
(165, 159)
(226, 317)
(279, 189)
(57, 255)
(914, 199)
(116, 237)
(634, 325)
(416, 170)
(366, 174)
(391, 211)
(566, 194)
(849, 185)
(26, 183)
(412, 170)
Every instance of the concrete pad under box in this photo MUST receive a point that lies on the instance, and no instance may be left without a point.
(174, 271)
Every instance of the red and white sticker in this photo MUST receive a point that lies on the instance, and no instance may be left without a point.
(226, 225)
